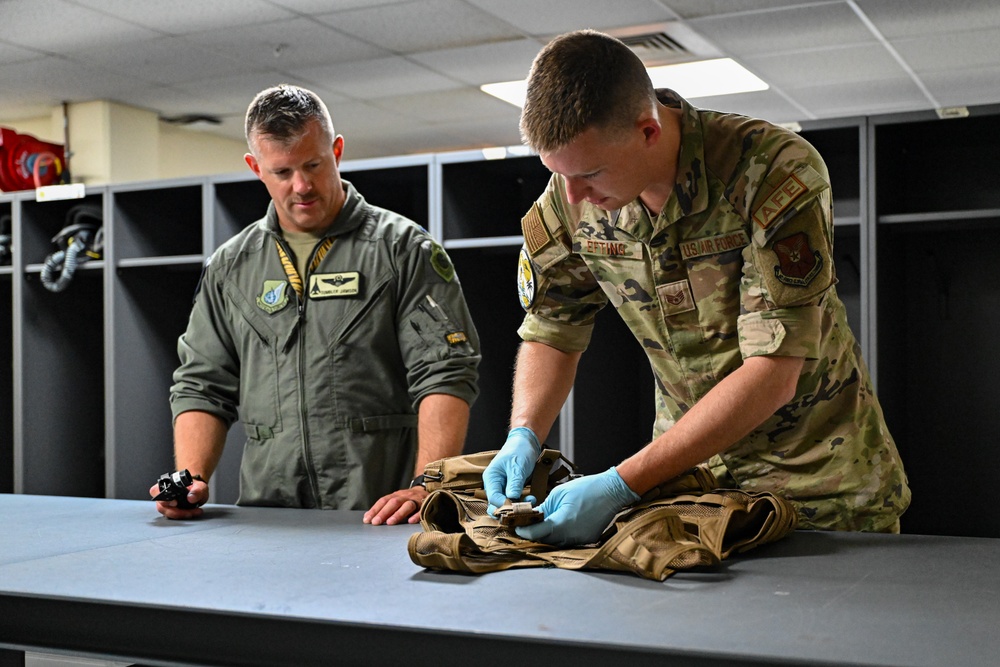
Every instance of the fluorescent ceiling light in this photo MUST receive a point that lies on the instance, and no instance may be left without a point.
(705, 78)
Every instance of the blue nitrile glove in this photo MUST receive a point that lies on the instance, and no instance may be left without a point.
(578, 511)
(505, 475)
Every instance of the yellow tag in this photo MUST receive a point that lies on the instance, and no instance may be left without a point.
(780, 199)
(456, 337)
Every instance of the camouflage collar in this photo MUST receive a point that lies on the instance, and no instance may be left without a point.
(690, 194)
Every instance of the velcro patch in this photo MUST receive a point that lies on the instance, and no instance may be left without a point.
(798, 263)
(782, 197)
(713, 245)
(525, 280)
(456, 337)
(625, 250)
(328, 285)
(675, 297)
(536, 234)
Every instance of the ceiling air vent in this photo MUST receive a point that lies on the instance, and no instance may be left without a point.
(665, 43)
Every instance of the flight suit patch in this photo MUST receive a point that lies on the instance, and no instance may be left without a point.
(536, 234)
(273, 297)
(525, 280)
(456, 337)
(713, 245)
(621, 249)
(675, 297)
(798, 263)
(442, 263)
(779, 200)
(328, 285)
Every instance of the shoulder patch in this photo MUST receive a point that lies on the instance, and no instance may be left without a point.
(441, 262)
(525, 280)
(798, 263)
(536, 234)
(780, 199)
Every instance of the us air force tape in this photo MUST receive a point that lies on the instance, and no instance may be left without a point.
(525, 280)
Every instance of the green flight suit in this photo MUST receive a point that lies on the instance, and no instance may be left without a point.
(327, 385)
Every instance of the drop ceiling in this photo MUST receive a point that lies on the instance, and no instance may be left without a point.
(403, 76)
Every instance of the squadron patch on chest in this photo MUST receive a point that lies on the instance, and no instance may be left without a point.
(713, 245)
(329, 285)
(798, 263)
(779, 200)
(273, 296)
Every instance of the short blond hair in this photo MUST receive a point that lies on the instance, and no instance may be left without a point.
(582, 79)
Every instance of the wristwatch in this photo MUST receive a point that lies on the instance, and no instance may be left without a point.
(418, 481)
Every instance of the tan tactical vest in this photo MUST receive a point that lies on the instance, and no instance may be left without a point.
(685, 523)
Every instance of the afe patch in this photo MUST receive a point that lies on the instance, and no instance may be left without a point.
(779, 200)
(329, 285)
(525, 280)
(273, 297)
(798, 263)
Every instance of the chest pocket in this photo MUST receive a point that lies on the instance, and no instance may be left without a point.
(258, 345)
(714, 263)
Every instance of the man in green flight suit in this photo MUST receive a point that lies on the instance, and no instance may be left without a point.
(337, 329)
(711, 234)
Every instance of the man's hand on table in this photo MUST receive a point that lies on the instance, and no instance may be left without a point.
(197, 495)
(397, 507)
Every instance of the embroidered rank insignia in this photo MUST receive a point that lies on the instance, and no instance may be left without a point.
(798, 263)
(442, 263)
(676, 297)
(782, 197)
(274, 296)
(525, 280)
(329, 285)
(536, 234)
(456, 337)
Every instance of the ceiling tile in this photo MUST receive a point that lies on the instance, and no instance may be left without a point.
(691, 9)
(178, 17)
(381, 77)
(486, 63)
(163, 60)
(310, 7)
(942, 52)
(451, 105)
(15, 54)
(29, 23)
(964, 87)
(861, 98)
(830, 66)
(930, 17)
(785, 30)
(418, 26)
(766, 104)
(554, 17)
(287, 44)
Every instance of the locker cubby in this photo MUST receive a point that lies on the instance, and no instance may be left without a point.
(62, 385)
(150, 308)
(6, 229)
(841, 150)
(235, 204)
(41, 221)
(931, 166)
(488, 198)
(937, 316)
(488, 281)
(402, 189)
(152, 221)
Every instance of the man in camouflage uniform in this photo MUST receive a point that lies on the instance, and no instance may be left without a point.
(711, 234)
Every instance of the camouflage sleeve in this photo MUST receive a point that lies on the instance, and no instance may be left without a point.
(788, 266)
(558, 292)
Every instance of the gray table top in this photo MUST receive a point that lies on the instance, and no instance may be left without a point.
(263, 586)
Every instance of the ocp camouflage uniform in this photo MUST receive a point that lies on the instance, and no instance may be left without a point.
(737, 264)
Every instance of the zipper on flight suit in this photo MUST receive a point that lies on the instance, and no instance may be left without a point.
(300, 334)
